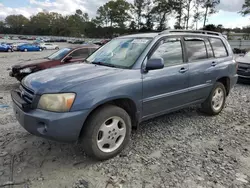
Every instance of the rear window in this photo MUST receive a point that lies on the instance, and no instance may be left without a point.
(196, 49)
(218, 47)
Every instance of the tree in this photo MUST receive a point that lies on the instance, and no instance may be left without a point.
(197, 13)
(139, 6)
(179, 10)
(209, 6)
(16, 23)
(114, 12)
(246, 8)
(161, 10)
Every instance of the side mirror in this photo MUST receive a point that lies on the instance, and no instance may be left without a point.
(154, 64)
(67, 59)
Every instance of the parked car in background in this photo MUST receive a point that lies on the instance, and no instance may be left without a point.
(244, 67)
(15, 45)
(5, 48)
(102, 42)
(129, 80)
(29, 48)
(61, 57)
(48, 46)
(78, 42)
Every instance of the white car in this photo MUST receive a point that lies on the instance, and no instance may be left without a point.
(48, 46)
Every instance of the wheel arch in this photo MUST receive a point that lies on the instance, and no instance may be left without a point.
(125, 103)
(226, 82)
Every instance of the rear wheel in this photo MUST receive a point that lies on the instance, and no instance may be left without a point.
(57, 48)
(106, 132)
(216, 100)
(25, 50)
(9, 50)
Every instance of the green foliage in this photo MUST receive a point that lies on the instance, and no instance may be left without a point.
(246, 8)
(114, 13)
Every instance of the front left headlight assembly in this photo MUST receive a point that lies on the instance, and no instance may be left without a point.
(61, 102)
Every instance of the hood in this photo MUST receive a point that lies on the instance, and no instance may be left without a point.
(243, 60)
(56, 79)
(29, 63)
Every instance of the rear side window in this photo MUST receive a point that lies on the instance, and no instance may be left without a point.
(196, 49)
(81, 53)
(218, 47)
(170, 50)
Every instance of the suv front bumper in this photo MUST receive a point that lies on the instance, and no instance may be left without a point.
(63, 127)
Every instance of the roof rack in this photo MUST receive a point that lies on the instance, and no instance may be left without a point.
(191, 31)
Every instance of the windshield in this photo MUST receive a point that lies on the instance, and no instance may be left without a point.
(59, 54)
(121, 53)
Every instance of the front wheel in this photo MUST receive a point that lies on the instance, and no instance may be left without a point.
(106, 132)
(25, 50)
(216, 100)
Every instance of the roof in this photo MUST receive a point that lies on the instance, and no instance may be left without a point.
(174, 32)
(84, 46)
(142, 35)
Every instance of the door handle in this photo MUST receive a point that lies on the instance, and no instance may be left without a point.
(213, 64)
(183, 70)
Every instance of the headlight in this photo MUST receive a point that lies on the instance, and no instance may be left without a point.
(56, 102)
(26, 70)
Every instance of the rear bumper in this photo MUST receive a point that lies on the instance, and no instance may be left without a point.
(63, 127)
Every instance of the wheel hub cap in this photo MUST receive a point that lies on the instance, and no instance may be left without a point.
(111, 134)
(218, 99)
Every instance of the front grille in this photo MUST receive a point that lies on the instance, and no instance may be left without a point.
(26, 94)
(244, 67)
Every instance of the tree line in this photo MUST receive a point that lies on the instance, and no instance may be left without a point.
(117, 17)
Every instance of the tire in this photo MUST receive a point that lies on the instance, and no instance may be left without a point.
(214, 108)
(9, 50)
(25, 50)
(56, 48)
(40, 49)
(92, 132)
(44, 48)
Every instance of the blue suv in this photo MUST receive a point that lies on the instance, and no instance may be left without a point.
(130, 79)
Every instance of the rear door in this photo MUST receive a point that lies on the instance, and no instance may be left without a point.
(202, 64)
(165, 89)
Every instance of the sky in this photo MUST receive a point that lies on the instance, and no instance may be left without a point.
(227, 10)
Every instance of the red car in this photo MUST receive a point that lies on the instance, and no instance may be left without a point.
(61, 57)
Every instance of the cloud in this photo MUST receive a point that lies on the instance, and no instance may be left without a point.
(231, 5)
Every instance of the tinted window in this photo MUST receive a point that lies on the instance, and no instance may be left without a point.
(170, 50)
(218, 47)
(196, 49)
(81, 53)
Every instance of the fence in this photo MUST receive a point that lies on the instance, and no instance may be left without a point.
(240, 44)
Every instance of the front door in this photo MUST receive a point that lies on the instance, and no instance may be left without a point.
(165, 89)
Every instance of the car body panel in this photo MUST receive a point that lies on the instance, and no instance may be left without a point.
(29, 47)
(153, 92)
(244, 67)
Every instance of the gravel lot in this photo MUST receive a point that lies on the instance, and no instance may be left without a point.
(182, 149)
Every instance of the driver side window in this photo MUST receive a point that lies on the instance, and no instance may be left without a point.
(170, 49)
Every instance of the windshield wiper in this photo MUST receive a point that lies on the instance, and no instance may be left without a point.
(104, 64)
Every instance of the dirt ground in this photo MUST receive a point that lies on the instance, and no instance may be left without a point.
(182, 149)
